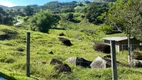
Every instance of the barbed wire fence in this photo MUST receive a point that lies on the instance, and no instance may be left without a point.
(133, 47)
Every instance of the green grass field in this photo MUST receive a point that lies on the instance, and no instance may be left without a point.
(12, 61)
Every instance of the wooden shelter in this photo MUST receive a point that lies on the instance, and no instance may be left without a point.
(121, 43)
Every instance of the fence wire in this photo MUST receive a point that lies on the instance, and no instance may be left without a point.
(132, 47)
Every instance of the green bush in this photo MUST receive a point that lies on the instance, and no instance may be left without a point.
(137, 54)
(106, 28)
(43, 21)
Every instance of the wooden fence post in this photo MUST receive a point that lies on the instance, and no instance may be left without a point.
(113, 61)
(28, 55)
(122, 49)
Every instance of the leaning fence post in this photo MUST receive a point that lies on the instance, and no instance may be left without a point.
(28, 55)
(113, 61)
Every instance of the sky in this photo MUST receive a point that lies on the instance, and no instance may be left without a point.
(11, 3)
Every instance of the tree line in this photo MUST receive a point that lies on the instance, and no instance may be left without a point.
(123, 15)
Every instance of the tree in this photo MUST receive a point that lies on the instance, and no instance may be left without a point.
(5, 18)
(70, 17)
(104, 0)
(44, 20)
(53, 5)
(28, 11)
(2, 11)
(127, 16)
(95, 13)
(67, 10)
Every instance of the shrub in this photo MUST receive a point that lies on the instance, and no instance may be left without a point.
(26, 18)
(43, 21)
(102, 47)
(137, 54)
(106, 28)
(70, 17)
(66, 10)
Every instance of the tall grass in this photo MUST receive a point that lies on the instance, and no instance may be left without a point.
(12, 61)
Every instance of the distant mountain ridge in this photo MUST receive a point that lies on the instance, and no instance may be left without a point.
(14, 7)
(54, 5)
(3, 6)
(17, 7)
(104, 1)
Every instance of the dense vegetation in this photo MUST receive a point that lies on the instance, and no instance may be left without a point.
(83, 23)
(43, 21)
(96, 13)
(127, 16)
(5, 18)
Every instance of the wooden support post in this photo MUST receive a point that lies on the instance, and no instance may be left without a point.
(28, 55)
(113, 61)
(129, 51)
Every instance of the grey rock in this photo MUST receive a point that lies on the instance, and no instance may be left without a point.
(136, 63)
(65, 41)
(79, 61)
(71, 60)
(98, 63)
(55, 61)
(63, 68)
(20, 49)
(61, 34)
(82, 62)
(50, 52)
(43, 62)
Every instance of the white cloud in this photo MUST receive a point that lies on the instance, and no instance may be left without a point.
(6, 3)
